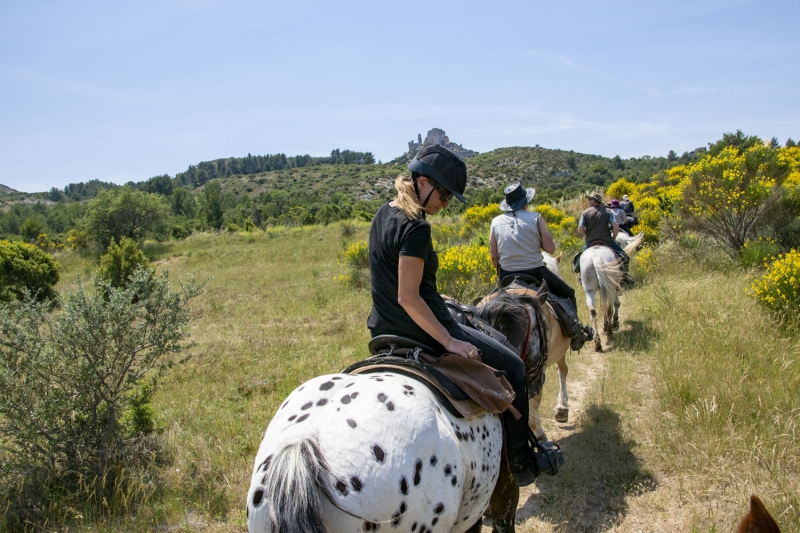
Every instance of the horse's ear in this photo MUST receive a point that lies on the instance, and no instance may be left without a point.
(758, 520)
(541, 295)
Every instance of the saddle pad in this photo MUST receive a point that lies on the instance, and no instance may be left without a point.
(464, 408)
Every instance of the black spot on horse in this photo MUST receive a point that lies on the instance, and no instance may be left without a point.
(381, 397)
(257, 497)
(390, 406)
(378, 379)
(322, 402)
(454, 481)
(417, 472)
(378, 452)
(266, 463)
(353, 395)
(351, 423)
(307, 406)
(435, 519)
(408, 387)
(396, 519)
(371, 526)
(356, 484)
(328, 385)
(434, 460)
(414, 526)
(403, 485)
(336, 377)
(346, 399)
(350, 384)
(341, 487)
(302, 418)
(292, 417)
(448, 469)
(439, 508)
(402, 507)
(284, 404)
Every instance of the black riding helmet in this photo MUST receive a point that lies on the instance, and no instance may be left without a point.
(443, 166)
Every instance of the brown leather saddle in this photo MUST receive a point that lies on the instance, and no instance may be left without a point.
(465, 387)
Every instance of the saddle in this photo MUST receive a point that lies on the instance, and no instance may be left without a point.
(465, 387)
(576, 261)
(562, 307)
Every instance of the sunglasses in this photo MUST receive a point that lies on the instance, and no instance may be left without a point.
(444, 194)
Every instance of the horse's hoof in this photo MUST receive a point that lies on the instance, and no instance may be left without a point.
(615, 325)
(598, 347)
(562, 415)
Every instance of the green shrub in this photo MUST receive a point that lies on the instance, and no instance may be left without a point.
(24, 267)
(758, 252)
(73, 412)
(121, 261)
(180, 231)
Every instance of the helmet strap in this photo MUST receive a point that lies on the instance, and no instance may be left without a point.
(414, 177)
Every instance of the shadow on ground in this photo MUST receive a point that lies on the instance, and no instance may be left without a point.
(635, 335)
(601, 471)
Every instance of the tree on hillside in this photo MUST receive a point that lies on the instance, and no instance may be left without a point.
(737, 140)
(212, 209)
(125, 212)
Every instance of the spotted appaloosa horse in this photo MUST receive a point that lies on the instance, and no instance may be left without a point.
(601, 273)
(354, 453)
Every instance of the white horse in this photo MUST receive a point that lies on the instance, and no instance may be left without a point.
(353, 453)
(623, 239)
(601, 273)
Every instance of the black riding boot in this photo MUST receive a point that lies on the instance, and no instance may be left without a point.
(528, 457)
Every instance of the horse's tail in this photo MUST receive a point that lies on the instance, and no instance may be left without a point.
(608, 277)
(634, 244)
(288, 497)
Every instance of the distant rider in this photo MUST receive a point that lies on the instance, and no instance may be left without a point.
(516, 241)
(594, 223)
(619, 216)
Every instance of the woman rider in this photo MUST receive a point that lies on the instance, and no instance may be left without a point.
(405, 300)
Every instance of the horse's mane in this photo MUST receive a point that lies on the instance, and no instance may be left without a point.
(506, 313)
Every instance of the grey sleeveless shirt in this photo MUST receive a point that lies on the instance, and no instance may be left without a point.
(519, 244)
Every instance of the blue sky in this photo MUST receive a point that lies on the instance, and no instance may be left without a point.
(122, 91)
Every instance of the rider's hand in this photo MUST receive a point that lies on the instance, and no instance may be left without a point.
(464, 349)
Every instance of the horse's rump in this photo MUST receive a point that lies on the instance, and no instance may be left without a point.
(385, 453)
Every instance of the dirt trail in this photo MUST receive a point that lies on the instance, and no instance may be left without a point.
(645, 511)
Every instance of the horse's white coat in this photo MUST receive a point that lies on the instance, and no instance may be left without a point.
(390, 448)
(600, 275)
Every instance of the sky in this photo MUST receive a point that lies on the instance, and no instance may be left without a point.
(123, 91)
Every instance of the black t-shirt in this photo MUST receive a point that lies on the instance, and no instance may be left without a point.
(392, 234)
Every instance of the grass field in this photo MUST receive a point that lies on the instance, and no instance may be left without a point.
(695, 406)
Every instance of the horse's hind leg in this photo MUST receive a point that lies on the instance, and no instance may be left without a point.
(615, 320)
(562, 408)
(598, 347)
(504, 500)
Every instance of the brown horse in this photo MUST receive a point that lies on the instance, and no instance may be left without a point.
(758, 520)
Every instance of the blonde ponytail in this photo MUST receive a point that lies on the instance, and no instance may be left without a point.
(407, 200)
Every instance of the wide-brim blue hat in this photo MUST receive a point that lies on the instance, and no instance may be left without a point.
(516, 197)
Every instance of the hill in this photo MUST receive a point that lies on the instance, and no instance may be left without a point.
(276, 189)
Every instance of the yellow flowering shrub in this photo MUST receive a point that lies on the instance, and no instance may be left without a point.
(622, 187)
(78, 239)
(356, 261)
(465, 271)
(476, 219)
(644, 262)
(779, 288)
